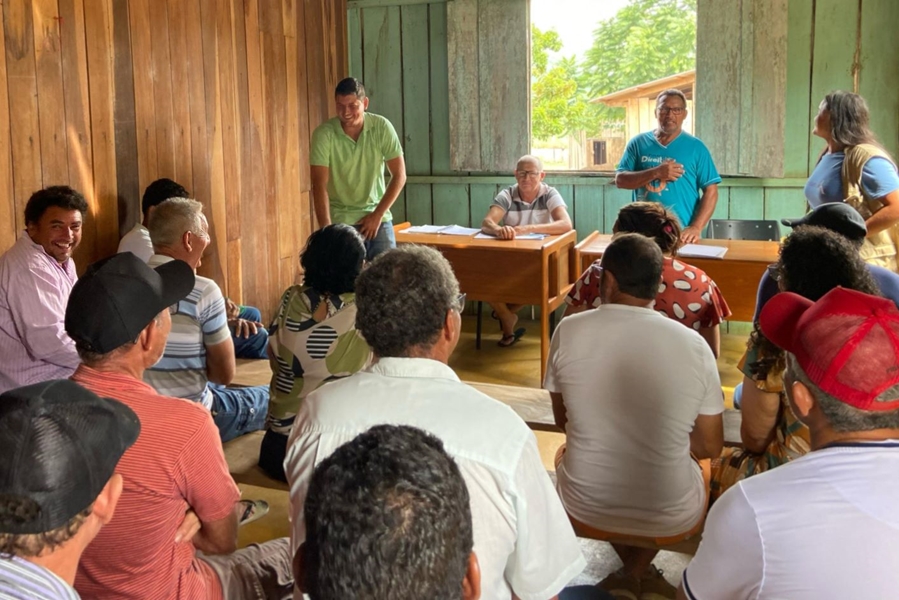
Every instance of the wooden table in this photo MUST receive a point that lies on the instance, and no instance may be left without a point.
(538, 272)
(737, 274)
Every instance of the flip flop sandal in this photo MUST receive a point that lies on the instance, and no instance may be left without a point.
(509, 340)
(252, 510)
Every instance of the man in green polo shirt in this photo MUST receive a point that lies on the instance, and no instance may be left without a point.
(348, 156)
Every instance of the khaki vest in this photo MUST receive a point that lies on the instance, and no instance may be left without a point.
(879, 248)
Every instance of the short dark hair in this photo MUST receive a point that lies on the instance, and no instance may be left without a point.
(159, 191)
(56, 195)
(333, 258)
(387, 516)
(29, 545)
(654, 221)
(350, 86)
(402, 300)
(814, 260)
(636, 262)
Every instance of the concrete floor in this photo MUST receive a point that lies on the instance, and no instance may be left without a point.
(518, 365)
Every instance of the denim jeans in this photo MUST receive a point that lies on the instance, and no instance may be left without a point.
(384, 241)
(585, 592)
(238, 410)
(255, 345)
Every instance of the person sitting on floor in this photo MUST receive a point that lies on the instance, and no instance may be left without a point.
(846, 221)
(825, 525)
(36, 277)
(137, 241)
(179, 497)
(686, 293)
(636, 394)
(529, 206)
(813, 261)
(408, 309)
(249, 336)
(313, 338)
(388, 518)
(199, 356)
(60, 445)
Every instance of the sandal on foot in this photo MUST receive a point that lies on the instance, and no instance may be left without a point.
(509, 340)
(252, 510)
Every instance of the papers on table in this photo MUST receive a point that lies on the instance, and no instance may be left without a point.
(441, 229)
(518, 236)
(702, 251)
(465, 231)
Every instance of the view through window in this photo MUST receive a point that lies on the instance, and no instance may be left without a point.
(596, 69)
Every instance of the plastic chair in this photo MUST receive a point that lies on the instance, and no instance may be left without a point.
(733, 229)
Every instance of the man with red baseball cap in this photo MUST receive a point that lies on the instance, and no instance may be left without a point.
(823, 525)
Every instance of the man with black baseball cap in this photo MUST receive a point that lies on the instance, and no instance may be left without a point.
(60, 446)
(825, 524)
(845, 220)
(179, 496)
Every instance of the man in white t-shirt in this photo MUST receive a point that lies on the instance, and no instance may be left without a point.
(636, 394)
(824, 525)
(408, 305)
(529, 206)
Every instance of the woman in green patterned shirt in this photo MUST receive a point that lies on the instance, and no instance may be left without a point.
(313, 338)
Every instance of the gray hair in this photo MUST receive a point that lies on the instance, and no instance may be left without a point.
(402, 300)
(532, 159)
(672, 92)
(172, 218)
(842, 417)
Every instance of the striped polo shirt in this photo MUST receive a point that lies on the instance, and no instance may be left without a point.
(201, 321)
(24, 580)
(518, 212)
(176, 463)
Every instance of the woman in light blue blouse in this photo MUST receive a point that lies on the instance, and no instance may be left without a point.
(854, 168)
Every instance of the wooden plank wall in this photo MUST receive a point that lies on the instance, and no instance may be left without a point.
(436, 194)
(489, 82)
(741, 89)
(219, 95)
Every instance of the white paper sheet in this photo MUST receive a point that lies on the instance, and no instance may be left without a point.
(702, 251)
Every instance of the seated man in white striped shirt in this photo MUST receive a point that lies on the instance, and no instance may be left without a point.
(198, 361)
(529, 206)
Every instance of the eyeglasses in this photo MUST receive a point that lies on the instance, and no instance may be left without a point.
(527, 174)
(674, 110)
(460, 302)
(774, 271)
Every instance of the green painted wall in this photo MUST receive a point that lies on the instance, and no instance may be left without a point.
(399, 51)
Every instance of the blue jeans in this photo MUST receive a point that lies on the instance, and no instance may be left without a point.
(255, 345)
(384, 241)
(237, 411)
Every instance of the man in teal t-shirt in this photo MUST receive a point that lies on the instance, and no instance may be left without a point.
(348, 157)
(672, 167)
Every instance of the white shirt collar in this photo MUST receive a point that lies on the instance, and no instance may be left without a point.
(419, 368)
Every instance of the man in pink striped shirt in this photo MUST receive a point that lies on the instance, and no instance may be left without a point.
(36, 278)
